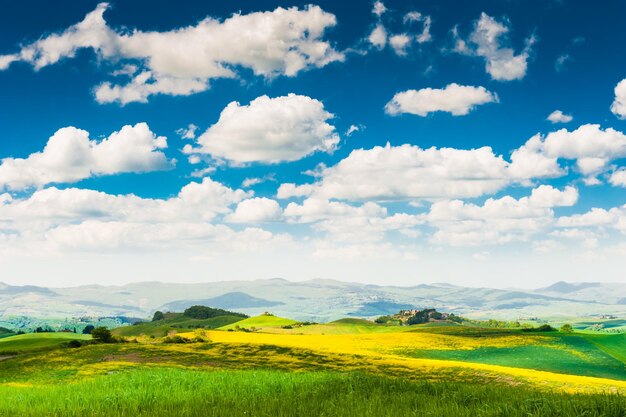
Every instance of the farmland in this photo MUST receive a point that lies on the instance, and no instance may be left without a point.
(345, 368)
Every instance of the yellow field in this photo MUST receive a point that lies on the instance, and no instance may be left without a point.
(378, 351)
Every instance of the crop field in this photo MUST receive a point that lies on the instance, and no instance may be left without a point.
(344, 368)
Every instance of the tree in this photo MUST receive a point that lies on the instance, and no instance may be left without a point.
(102, 334)
(158, 315)
(567, 328)
(74, 344)
(203, 312)
(88, 329)
(421, 316)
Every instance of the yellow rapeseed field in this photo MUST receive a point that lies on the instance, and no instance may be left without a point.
(378, 350)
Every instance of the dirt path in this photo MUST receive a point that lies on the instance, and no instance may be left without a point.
(2, 358)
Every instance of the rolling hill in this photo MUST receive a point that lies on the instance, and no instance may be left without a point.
(175, 322)
(259, 322)
(314, 300)
(33, 342)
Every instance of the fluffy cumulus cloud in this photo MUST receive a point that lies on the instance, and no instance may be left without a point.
(378, 36)
(456, 99)
(619, 104)
(379, 8)
(348, 223)
(558, 116)
(81, 219)
(497, 221)
(408, 172)
(590, 146)
(596, 218)
(269, 130)
(70, 156)
(399, 43)
(195, 201)
(184, 60)
(618, 178)
(255, 210)
(488, 40)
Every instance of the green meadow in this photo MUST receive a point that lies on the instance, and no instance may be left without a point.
(273, 366)
(31, 342)
(599, 355)
(179, 392)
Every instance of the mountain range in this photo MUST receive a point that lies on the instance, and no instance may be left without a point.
(313, 300)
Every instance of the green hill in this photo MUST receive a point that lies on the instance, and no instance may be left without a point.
(576, 354)
(263, 320)
(175, 322)
(37, 341)
(612, 344)
(5, 332)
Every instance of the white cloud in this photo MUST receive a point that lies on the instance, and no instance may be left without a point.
(354, 129)
(618, 178)
(70, 156)
(591, 147)
(559, 63)
(497, 221)
(425, 35)
(378, 37)
(188, 132)
(379, 8)
(183, 61)
(596, 217)
(347, 223)
(255, 210)
(399, 43)
(196, 201)
(619, 104)
(455, 99)
(249, 182)
(558, 116)
(408, 172)
(487, 41)
(269, 130)
(79, 219)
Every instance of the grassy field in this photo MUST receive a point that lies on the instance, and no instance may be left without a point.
(614, 345)
(5, 332)
(345, 368)
(601, 355)
(37, 341)
(174, 322)
(260, 322)
(178, 392)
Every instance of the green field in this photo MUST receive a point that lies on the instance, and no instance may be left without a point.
(350, 367)
(176, 392)
(5, 332)
(600, 355)
(260, 322)
(174, 322)
(37, 341)
(614, 345)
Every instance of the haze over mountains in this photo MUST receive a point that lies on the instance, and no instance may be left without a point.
(317, 300)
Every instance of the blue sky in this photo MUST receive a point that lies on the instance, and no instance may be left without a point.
(341, 140)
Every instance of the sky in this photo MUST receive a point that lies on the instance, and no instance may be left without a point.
(399, 142)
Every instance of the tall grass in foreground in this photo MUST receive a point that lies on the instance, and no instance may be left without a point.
(179, 392)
